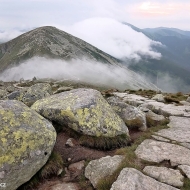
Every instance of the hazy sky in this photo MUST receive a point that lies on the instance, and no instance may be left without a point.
(33, 13)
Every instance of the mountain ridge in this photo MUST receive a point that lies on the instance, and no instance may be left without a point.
(51, 42)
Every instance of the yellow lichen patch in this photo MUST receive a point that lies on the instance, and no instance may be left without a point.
(22, 131)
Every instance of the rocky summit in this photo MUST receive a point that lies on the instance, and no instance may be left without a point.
(66, 137)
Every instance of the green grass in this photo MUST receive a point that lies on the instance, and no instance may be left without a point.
(130, 159)
(186, 185)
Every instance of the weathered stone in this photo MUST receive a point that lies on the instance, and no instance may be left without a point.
(159, 98)
(3, 94)
(154, 118)
(132, 99)
(36, 92)
(26, 142)
(58, 185)
(70, 142)
(1, 83)
(77, 166)
(185, 169)
(167, 109)
(10, 89)
(101, 168)
(132, 179)
(133, 117)
(179, 129)
(188, 99)
(155, 151)
(16, 95)
(83, 110)
(165, 175)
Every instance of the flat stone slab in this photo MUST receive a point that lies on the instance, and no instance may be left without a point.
(132, 179)
(167, 109)
(179, 130)
(165, 175)
(155, 151)
(132, 99)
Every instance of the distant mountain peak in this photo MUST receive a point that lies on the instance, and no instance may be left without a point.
(48, 41)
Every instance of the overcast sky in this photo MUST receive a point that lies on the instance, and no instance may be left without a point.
(33, 13)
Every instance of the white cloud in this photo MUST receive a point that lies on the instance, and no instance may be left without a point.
(114, 38)
(8, 35)
(78, 70)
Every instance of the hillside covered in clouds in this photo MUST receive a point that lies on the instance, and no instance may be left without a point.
(48, 52)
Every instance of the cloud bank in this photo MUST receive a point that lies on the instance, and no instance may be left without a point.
(9, 35)
(77, 70)
(114, 38)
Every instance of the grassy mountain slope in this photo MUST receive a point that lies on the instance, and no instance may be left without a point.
(50, 42)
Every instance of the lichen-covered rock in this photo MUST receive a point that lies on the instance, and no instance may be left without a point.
(83, 110)
(26, 142)
(3, 94)
(165, 175)
(102, 168)
(36, 92)
(132, 116)
(16, 95)
(132, 179)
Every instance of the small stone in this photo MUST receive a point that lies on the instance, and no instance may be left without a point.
(70, 142)
(2, 174)
(188, 99)
(77, 166)
(101, 168)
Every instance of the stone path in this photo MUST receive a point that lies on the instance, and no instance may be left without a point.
(172, 144)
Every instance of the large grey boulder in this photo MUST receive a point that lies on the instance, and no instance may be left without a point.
(26, 142)
(101, 168)
(36, 92)
(132, 179)
(179, 130)
(165, 175)
(155, 151)
(83, 110)
(188, 99)
(132, 116)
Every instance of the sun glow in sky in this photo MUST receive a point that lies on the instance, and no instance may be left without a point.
(157, 9)
(142, 13)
